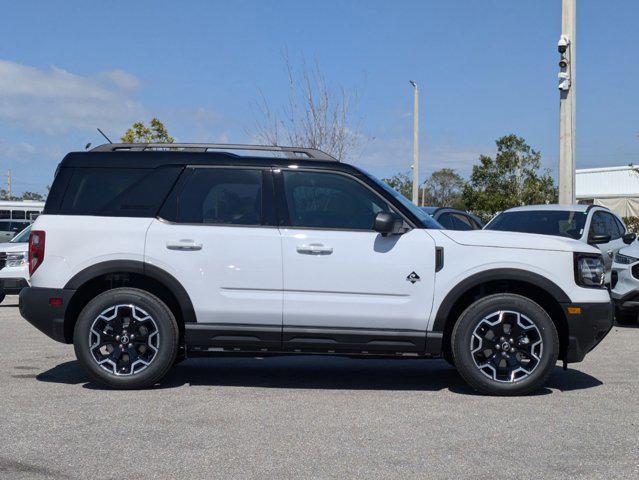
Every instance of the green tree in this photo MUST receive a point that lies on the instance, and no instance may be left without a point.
(33, 196)
(402, 182)
(514, 177)
(156, 132)
(444, 188)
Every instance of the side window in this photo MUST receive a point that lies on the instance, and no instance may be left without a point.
(604, 223)
(5, 213)
(222, 196)
(330, 200)
(620, 226)
(18, 214)
(463, 222)
(446, 221)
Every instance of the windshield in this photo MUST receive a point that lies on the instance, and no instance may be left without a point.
(424, 218)
(562, 223)
(22, 237)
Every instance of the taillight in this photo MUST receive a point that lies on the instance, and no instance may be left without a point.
(36, 250)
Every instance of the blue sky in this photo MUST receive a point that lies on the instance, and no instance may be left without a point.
(485, 68)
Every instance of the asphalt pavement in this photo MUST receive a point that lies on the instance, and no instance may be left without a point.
(311, 417)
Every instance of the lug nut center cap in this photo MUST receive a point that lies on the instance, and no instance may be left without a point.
(124, 339)
(505, 346)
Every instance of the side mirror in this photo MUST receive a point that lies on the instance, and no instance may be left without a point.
(598, 238)
(387, 223)
(628, 238)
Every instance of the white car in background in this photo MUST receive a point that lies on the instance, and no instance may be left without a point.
(625, 283)
(14, 268)
(589, 224)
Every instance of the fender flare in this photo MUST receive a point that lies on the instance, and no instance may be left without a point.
(495, 275)
(141, 268)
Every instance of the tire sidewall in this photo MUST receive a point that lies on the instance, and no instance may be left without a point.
(167, 328)
(473, 315)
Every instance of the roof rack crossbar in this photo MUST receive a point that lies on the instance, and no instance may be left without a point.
(293, 152)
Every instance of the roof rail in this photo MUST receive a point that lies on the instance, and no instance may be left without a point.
(292, 152)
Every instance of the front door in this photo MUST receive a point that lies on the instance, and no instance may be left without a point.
(216, 238)
(347, 287)
(603, 223)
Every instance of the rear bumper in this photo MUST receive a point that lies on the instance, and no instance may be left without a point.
(35, 307)
(12, 286)
(586, 328)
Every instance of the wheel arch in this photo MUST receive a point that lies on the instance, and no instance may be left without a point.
(536, 287)
(129, 273)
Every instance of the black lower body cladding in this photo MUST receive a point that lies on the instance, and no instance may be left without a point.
(588, 324)
(44, 308)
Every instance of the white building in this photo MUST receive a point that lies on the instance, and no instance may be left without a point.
(614, 187)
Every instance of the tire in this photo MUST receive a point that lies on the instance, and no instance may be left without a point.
(119, 314)
(2, 297)
(493, 368)
(625, 317)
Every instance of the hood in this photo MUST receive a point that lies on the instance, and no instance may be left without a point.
(631, 250)
(530, 241)
(14, 247)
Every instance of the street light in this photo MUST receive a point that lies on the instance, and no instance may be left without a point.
(415, 142)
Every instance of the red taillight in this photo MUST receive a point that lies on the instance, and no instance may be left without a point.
(36, 250)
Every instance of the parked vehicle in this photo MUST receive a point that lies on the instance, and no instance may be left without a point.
(14, 269)
(147, 253)
(586, 223)
(15, 216)
(625, 283)
(453, 219)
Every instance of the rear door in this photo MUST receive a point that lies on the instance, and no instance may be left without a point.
(217, 237)
(347, 287)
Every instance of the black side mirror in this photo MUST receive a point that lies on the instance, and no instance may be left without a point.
(598, 238)
(387, 223)
(628, 238)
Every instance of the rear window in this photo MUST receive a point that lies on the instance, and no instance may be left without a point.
(122, 192)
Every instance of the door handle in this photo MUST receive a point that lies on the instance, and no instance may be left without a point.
(184, 245)
(314, 249)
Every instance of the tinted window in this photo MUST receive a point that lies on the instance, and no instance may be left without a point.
(18, 214)
(5, 226)
(622, 229)
(5, 214)
(603, 223)
(127, 192)
(225, 196)
(18, 226)
(446, 221)
(561, 223)
(329, 200)
(462, 222)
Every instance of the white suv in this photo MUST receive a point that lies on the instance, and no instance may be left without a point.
(146, 254)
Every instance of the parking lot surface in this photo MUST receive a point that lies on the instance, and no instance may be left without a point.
(311, 417)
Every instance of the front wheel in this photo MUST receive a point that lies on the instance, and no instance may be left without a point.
(505, 344)
(126, 338)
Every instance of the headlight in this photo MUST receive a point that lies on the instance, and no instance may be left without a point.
(625, 259)
(589, 270)
(16, 259)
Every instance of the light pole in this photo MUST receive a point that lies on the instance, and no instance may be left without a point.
(567, 101)
(415, 143)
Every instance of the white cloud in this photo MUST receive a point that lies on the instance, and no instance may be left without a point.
(56, 101)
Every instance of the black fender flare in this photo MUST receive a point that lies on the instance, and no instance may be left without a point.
(142, 268)
(492, 275)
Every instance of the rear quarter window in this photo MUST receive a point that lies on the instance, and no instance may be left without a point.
(121, 192)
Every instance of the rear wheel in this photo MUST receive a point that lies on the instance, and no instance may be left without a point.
(505, 344)
(126, 338)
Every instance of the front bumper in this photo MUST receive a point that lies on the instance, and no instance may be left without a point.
(588, 324)
(12, 286)
(36, 308)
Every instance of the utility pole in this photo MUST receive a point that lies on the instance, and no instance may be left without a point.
(415, 143)
(567, 47)
(9, 184)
